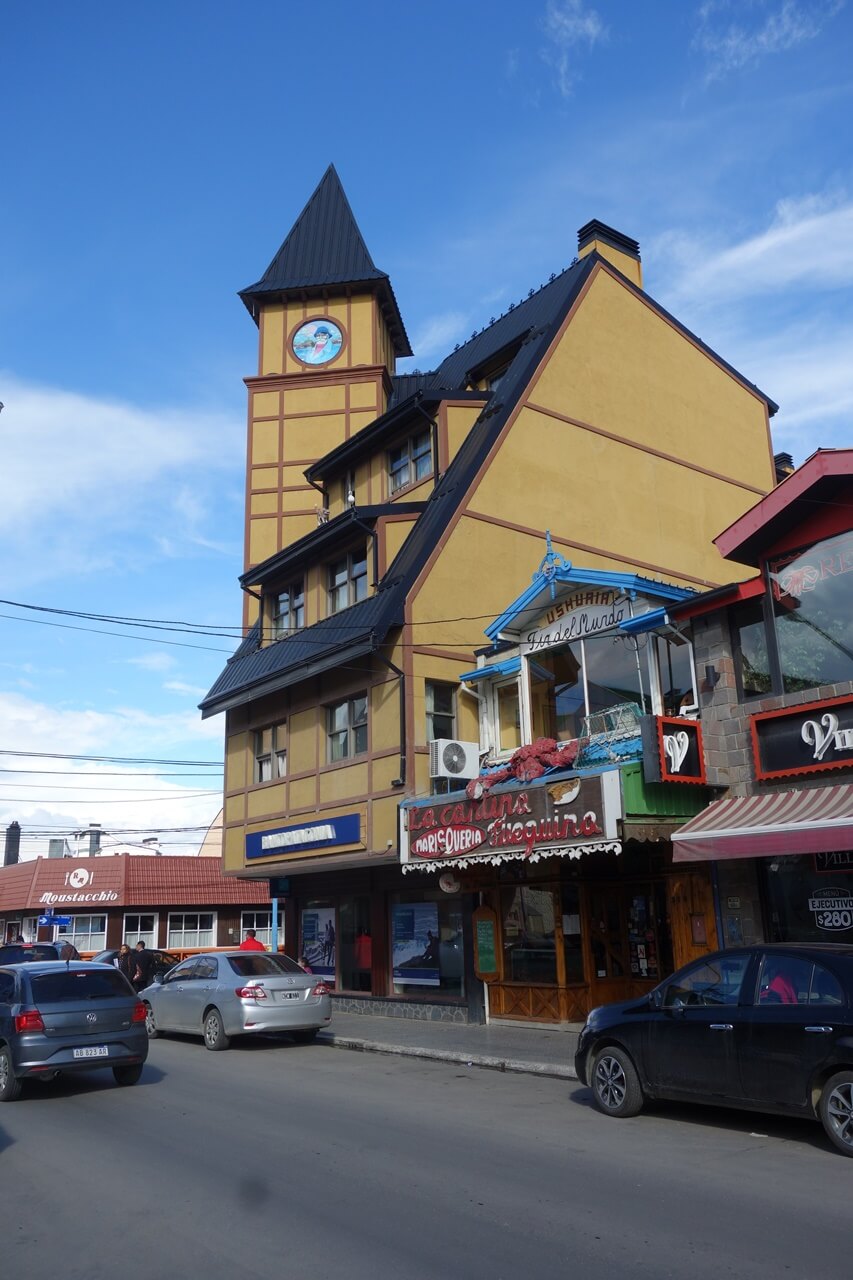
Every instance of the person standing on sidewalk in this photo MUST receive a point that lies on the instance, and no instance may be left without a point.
(144, 962)
(250, 942)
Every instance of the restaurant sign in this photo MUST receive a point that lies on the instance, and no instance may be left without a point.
(672, 750)
(804, 739)
(563, 817)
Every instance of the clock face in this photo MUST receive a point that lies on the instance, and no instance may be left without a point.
(317, 341)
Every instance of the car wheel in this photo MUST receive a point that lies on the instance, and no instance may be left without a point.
(214, 1032)
(129, 1074)
(304, 1037)
(615, 1084)
(10, 1085)
(836, 1111)
(150, 1024)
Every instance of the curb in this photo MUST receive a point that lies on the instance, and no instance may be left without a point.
(514, 1065)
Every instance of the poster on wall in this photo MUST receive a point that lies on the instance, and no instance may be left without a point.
(415, 943)
(318, 941)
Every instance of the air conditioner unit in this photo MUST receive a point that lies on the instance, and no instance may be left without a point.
(450, 759)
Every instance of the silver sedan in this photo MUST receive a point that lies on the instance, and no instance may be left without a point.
(224, 994)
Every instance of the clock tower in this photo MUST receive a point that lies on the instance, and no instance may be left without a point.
(329, 334)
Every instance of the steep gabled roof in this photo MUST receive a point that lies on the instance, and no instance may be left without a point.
(324, 248)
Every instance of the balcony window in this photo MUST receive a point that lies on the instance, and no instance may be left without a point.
(346, 727)
(571, 682)
(288, 610)
(347, 583)
(270, 753)
(410, 461)
(508, 716)
(440, 717)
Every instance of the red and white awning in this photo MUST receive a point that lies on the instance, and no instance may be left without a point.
(781, 822)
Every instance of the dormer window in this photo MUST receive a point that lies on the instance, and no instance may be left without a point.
(410, 461)
(348, 580)
(288, 610)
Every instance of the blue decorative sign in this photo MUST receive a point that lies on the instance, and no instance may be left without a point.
(321, 834)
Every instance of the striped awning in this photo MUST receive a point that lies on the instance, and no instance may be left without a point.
(815, 821)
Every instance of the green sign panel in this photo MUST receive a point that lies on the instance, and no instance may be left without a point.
(487, 961)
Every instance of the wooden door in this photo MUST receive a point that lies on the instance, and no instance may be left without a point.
(692, 921)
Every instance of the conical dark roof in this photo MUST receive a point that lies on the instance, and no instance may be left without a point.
(325, 248)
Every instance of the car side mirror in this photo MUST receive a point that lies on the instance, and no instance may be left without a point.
(656, 999)
(158, 980)
(678, 1006)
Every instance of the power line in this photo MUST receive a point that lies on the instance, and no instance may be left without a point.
(151, 791)
(67, 626)
(55, 755)
(190, 795)
(108, 773)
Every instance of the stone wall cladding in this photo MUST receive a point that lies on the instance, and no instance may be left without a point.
(414, 1010)
(725, 721)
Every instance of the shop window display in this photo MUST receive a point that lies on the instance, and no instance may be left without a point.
(529, 937)
(426, 945)
(318, 939)
(355, 945)
(807, 905)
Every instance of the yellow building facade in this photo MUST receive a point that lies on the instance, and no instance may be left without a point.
(390, 517)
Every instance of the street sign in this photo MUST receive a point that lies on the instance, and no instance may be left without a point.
(46, 920)
(61, 920)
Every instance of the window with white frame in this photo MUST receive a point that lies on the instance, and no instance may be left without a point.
(507, 713)
(140, 928)
(261, 922)
(410, 461)
(347, 582)
(440, 710)
(86, 933)
(346, 728)
(288, 610)
(192, 929)
(270, 752)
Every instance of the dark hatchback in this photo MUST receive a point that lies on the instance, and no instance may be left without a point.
(163, 960)
(769, 1028)
(69, 1017)
(21, 952)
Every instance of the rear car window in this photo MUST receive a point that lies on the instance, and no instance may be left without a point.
(254, 964)
(79, 984)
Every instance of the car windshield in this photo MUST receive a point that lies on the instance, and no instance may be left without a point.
(254, 964)
(78, 984)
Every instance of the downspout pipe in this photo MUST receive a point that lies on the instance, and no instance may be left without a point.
(401, 781)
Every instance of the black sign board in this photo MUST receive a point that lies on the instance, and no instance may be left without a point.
(830, 864)
(804, 739)
(672, 750)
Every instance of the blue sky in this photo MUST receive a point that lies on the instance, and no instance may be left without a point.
(155, 156)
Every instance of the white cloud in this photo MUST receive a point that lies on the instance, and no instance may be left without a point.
(179, 686)
(436, 335)
(808, 243)
(80, 793)
(737, 45)
(158, 661)
(569, 24)
(92, 484)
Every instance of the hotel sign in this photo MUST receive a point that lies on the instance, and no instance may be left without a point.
(582, 615)
(535, 820)
(804, 739)
(322, 834)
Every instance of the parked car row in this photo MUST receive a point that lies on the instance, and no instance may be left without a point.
(768, 1028)
(77, 1015)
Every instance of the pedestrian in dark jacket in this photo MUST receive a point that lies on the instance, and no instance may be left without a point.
(125, 962)
(144, 970)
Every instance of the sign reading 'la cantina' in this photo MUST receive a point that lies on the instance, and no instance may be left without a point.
(520, 821)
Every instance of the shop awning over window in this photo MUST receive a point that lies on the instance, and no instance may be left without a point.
(782, 822)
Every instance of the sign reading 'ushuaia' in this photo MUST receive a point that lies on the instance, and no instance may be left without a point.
(566, 813)
(581, 615)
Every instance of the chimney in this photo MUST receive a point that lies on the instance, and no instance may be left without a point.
(784, 464)
(13, 844)
(94, 839)
(57, 847)
(621, 251)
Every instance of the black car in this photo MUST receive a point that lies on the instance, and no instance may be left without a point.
(68, 1018)
(21, 952)
(769, 1028)
(163, 960)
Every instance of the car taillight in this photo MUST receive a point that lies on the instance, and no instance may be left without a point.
(31, 1021)
(320, 989)
(250, 993)
(138, 1014)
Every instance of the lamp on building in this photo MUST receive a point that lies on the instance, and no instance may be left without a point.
(350, 498)
(712, 676)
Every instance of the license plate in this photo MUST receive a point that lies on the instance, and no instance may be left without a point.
(289, 995)
(97, 1051)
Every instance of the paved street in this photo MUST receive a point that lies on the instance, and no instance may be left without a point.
(274, 1160)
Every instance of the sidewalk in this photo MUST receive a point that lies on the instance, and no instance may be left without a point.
(530, 1050)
